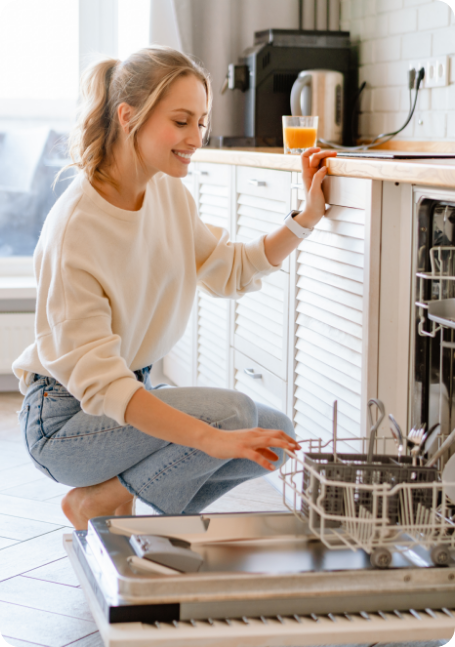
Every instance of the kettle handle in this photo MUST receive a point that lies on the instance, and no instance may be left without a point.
(301, 95)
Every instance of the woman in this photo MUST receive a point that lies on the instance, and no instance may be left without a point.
(117, 264)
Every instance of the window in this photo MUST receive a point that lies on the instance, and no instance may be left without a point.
(133, 26)
(43, 46)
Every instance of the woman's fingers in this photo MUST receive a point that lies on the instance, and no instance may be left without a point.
(260, 460)
(312, 157)
(269, 454)
(318, 177)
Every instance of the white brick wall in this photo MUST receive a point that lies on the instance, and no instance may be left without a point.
(390, 33)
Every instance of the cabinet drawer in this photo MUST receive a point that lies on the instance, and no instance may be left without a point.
(258, 383)
(342, 191)
(264, 183)
(213, 173)
(261, 321)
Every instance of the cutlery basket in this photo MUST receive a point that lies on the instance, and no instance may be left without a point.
(341, 502)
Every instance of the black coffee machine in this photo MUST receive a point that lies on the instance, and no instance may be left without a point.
(266, 73)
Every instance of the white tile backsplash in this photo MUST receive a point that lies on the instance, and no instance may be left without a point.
(386, 99)
(417, 45)
(387, 49)
(390, 34)
(403, 21)
(433, 15)
(451, 125)
(384, 6)
(430, 125)
(444, 41)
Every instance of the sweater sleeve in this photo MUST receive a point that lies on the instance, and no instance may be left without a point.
(78, 346)
(228, 269)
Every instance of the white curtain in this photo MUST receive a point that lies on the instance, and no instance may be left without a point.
(164, 28)
(216, 32)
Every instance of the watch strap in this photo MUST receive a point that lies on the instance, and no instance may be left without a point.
(292, 225)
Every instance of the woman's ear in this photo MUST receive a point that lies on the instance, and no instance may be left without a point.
(125, 113)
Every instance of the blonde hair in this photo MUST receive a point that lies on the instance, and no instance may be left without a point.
(141, 81)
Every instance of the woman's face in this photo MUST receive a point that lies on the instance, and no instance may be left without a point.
(175, 129)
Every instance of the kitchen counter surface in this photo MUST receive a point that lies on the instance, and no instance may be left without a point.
(429, 172)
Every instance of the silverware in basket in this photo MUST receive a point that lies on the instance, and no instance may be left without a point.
(374, 426)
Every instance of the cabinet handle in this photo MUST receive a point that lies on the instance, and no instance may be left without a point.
(251, 373)
(296, 186)
(201, 172)
(257, 182)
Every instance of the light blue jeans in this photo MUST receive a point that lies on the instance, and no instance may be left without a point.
(78, 449)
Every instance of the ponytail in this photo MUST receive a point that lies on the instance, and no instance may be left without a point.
(141, 82)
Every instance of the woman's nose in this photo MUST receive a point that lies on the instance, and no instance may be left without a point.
(195, 137)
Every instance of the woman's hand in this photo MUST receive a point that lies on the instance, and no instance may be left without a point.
(253, 444)
(312, 176)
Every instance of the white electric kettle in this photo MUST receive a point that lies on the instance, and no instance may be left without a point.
(320, 93)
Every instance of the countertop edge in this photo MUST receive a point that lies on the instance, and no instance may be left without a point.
(420, 171)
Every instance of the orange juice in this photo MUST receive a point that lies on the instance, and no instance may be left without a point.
(298, 137)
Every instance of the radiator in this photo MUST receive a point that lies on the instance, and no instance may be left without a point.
(17, 331)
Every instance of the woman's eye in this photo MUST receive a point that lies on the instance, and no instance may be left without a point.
(181, 123)
(202, 125)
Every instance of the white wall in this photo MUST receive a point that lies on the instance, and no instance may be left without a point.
(217, 32)
(390, 33)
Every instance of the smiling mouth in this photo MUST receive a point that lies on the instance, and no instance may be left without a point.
(183, 156)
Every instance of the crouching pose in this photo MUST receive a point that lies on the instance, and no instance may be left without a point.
(117, 265)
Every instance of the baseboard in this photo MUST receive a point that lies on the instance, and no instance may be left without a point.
(9, 382)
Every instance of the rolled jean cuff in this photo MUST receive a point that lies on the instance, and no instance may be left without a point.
(134, 493)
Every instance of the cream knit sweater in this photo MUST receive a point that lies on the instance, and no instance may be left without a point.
(116, 287)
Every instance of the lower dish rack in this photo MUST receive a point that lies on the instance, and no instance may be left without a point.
(383, 506)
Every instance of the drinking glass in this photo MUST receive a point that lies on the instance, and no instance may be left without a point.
(299, 133)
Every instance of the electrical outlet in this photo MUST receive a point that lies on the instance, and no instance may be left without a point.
(436, 71)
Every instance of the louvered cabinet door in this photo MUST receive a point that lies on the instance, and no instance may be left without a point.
(262, 202)
(333, 300)
(261, 321)
(212, 341)
(214, 194)
(179, 363)
(213, 314)
(190, 179)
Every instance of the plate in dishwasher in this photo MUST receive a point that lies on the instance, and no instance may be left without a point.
(258, 564)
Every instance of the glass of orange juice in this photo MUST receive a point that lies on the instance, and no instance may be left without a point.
(299, 133)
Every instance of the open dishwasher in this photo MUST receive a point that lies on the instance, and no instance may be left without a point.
(303, 577)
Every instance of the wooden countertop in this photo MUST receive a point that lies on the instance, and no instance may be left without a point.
(430, 172)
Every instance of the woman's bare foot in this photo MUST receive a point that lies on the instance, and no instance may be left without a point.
(84, 503)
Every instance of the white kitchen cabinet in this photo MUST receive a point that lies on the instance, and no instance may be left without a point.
(201, 357)
(260, 384)
(310, 335)
(212, 341)
(261, 323)
(263, 198)
(335, 305)
(179, 363)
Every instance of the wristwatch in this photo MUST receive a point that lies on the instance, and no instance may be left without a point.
(292, 225)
